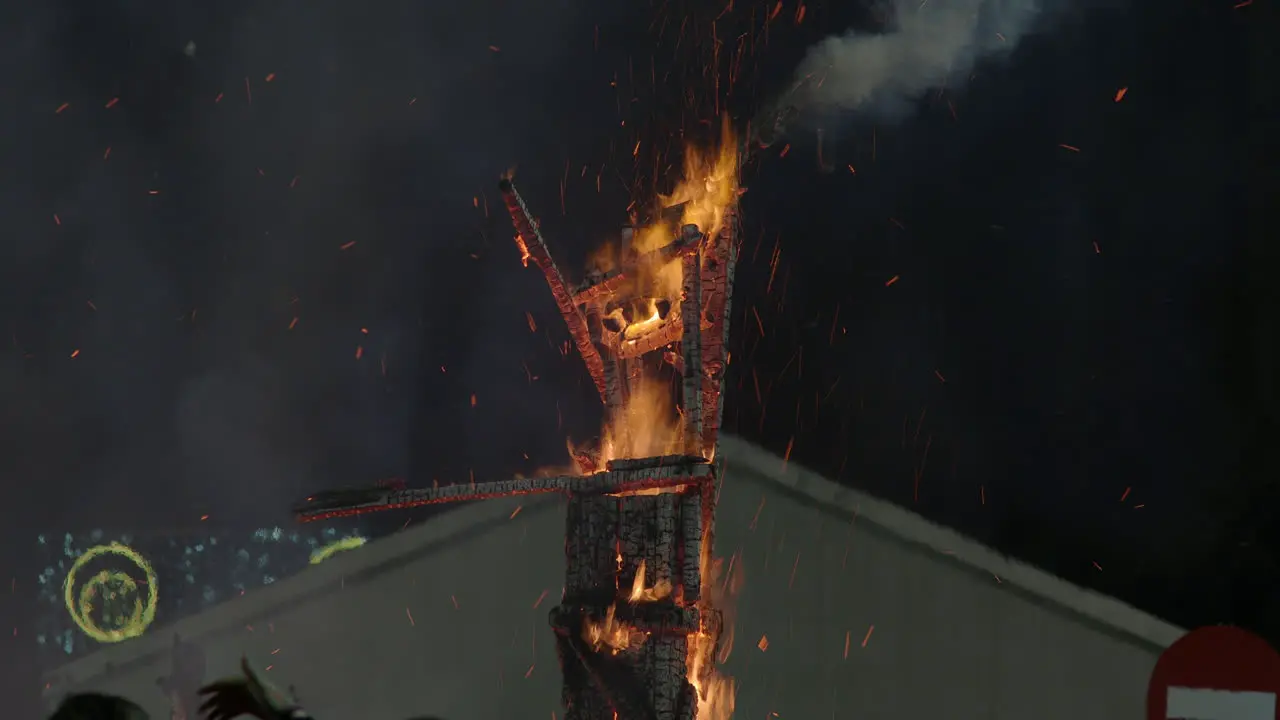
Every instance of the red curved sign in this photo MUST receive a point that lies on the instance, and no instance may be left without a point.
(1216, 673)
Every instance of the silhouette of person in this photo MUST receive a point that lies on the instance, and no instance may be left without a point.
(94, 706)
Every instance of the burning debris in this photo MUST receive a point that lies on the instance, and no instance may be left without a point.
(665, 301)
(636, 632)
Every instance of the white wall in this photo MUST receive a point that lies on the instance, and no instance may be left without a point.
(950, 640)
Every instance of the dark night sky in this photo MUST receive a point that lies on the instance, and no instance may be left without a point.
(1077, 303)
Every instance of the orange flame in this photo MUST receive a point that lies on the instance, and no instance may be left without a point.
(645, 426)
(640, 328)
(611, 633)
(716, 691)
(649, 425)
(640, 593)
(708, 188)
(524, 250)
(710, 184)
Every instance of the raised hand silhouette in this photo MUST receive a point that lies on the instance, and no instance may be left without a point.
(245, 695)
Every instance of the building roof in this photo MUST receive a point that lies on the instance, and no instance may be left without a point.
(1111, 614)
(392, 552)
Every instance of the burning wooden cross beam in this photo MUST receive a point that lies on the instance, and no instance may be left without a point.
(628, 649)
(619, 477)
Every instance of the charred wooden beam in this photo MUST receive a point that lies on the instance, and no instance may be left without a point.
(669, 332)
(534, 247)
(717, 288)
(613, 397)
(646, 618)
(691, 349)
(619, 477)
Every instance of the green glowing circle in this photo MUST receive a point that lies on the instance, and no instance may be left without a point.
(109, 585)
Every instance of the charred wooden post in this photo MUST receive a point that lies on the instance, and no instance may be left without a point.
(691, 350)
(717, 287)
(632, 583)
(613, 396)
(635, 536)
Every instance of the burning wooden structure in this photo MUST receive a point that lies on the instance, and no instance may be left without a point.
(636, 630)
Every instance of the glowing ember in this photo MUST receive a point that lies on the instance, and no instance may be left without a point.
(642, 327)
(524, 250)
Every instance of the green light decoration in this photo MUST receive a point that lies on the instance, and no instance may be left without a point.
(335, 547)
(111, 588)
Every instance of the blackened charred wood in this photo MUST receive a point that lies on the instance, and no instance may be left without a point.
(633, 476)
(535, 247)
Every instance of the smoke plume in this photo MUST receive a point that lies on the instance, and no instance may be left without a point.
(926, 44)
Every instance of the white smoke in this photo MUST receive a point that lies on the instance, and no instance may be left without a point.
(928, 44)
